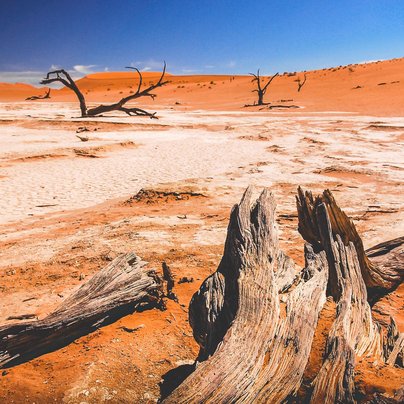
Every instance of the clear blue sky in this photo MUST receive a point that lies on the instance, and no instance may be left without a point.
(202, 36)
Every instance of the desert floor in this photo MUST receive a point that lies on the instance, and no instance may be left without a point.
(66, 212)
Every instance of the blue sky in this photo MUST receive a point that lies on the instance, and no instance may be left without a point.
(205, 36)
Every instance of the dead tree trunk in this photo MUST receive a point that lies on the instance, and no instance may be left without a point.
(121, 287)
(62, 76)
(300, 83)
(261, 88)
(255, 317)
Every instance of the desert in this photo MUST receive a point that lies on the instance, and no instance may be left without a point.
(194, 245)
(65, 209)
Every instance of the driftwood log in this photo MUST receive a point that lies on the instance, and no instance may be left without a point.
(62, 76)
(255, 317)
(121, 287)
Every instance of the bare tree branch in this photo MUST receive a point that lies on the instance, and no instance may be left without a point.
(300, 83)
(139, 93)
(39, 97)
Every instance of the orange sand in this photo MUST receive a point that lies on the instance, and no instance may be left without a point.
(371, 88)
(50, 249)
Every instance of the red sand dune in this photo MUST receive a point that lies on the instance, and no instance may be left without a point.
(371, 88)
(18, 91)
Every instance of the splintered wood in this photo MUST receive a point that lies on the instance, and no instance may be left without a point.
(256, 316)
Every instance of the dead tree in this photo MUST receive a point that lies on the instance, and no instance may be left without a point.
(62, 76)
(39, 97)
(261, 88)
(300, 83)
(121, 287)
(256, 316)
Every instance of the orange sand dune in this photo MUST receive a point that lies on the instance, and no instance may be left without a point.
(18, 91)
(121, 75)
(372, 88)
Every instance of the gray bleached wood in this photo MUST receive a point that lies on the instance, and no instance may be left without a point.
(255, 317)
(122, 286)
(382, 266)
(243, 328)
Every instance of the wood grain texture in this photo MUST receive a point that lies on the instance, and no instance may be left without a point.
(247, 334)
(394, 345)
(122, 286)
(353, 333)
(382, 266)
(255, 317)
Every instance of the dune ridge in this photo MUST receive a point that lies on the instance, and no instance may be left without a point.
(368, 88)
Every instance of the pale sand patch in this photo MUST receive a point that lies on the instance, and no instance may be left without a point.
(217, 148)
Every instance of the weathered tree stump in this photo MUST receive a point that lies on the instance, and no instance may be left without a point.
(250, 333)
(353, 333)
(382, 266)
(121, 287)
(256, 316)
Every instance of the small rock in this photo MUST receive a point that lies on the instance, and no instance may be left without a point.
(137, 328)
(186, 279)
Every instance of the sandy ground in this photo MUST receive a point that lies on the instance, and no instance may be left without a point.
(64, 215)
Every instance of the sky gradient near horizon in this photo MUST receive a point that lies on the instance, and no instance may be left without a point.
(195, 37)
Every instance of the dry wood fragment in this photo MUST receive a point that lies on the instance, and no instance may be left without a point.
(22, 317)
(353, 333)
(121, 287)
(241, 293)
(134, 329)
(83, 138)
(185, 279)
(382, 266)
